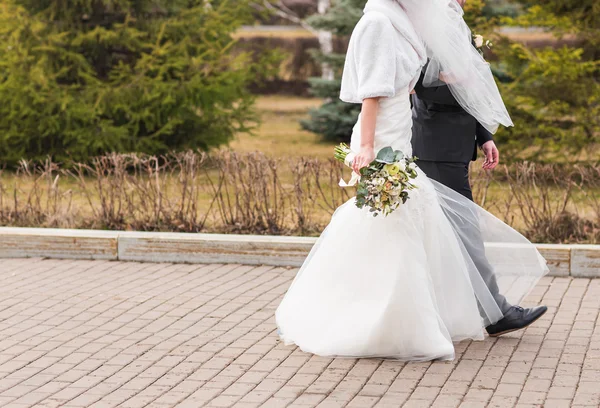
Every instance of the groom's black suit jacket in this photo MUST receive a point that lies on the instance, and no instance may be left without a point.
(442, 130)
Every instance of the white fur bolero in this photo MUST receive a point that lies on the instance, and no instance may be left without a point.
(384, 56)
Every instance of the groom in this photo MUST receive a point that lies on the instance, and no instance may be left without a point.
(445, 139)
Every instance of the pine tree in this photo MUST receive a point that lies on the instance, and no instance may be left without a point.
(83, 77)
(334, 119)
(553, 93)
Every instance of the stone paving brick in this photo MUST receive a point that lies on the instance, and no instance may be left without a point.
(502, 402)
(550, 403)
(447, 401)
(77, 333)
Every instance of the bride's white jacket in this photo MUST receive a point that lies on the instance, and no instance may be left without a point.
(385, 54)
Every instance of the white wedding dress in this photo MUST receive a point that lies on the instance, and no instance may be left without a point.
(403, 286)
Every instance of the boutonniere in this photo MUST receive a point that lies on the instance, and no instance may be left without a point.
(480, 42)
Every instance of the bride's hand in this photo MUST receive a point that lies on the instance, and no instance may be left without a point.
(363, 159)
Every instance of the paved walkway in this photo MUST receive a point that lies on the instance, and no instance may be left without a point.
(108, 334)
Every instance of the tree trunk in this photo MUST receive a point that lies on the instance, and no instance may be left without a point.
(325, 41)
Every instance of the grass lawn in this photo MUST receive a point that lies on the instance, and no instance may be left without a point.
(280, 134)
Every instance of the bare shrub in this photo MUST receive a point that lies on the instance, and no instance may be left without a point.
(249, 193)
(145, 193)
(187, 211)
(303, 198)
(253, 193)
(542, 195)
(589, 188)
(102, 183)
(35, 197)
(481, 181)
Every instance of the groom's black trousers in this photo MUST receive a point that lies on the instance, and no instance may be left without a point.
(452, 175)
(456, 177)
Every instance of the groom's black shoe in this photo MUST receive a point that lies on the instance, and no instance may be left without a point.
(516, 318)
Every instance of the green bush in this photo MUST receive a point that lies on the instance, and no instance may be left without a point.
(80, 78)
(553, 94)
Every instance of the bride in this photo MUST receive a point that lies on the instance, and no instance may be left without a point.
(405, 286)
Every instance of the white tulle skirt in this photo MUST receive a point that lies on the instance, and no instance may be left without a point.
(405, 286)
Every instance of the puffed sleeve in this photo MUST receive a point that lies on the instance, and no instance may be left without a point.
(370, 67)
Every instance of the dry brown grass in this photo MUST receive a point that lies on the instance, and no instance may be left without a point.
(534, 38)
(280, 134)
(291, 33)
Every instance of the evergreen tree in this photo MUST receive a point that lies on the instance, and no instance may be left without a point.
(83, 77)
(334, 119)
(553, 93)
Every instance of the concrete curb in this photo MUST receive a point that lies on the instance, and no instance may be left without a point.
(563, 260)
(57, 243)
(213, 248)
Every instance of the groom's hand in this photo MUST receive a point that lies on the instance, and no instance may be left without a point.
(492, 155)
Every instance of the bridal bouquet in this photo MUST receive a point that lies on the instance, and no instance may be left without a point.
(385, 183)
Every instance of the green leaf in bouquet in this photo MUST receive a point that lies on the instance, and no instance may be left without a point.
(404, 196)
(377, 166)
(386, 155)
(399, 155)
(367, 171)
